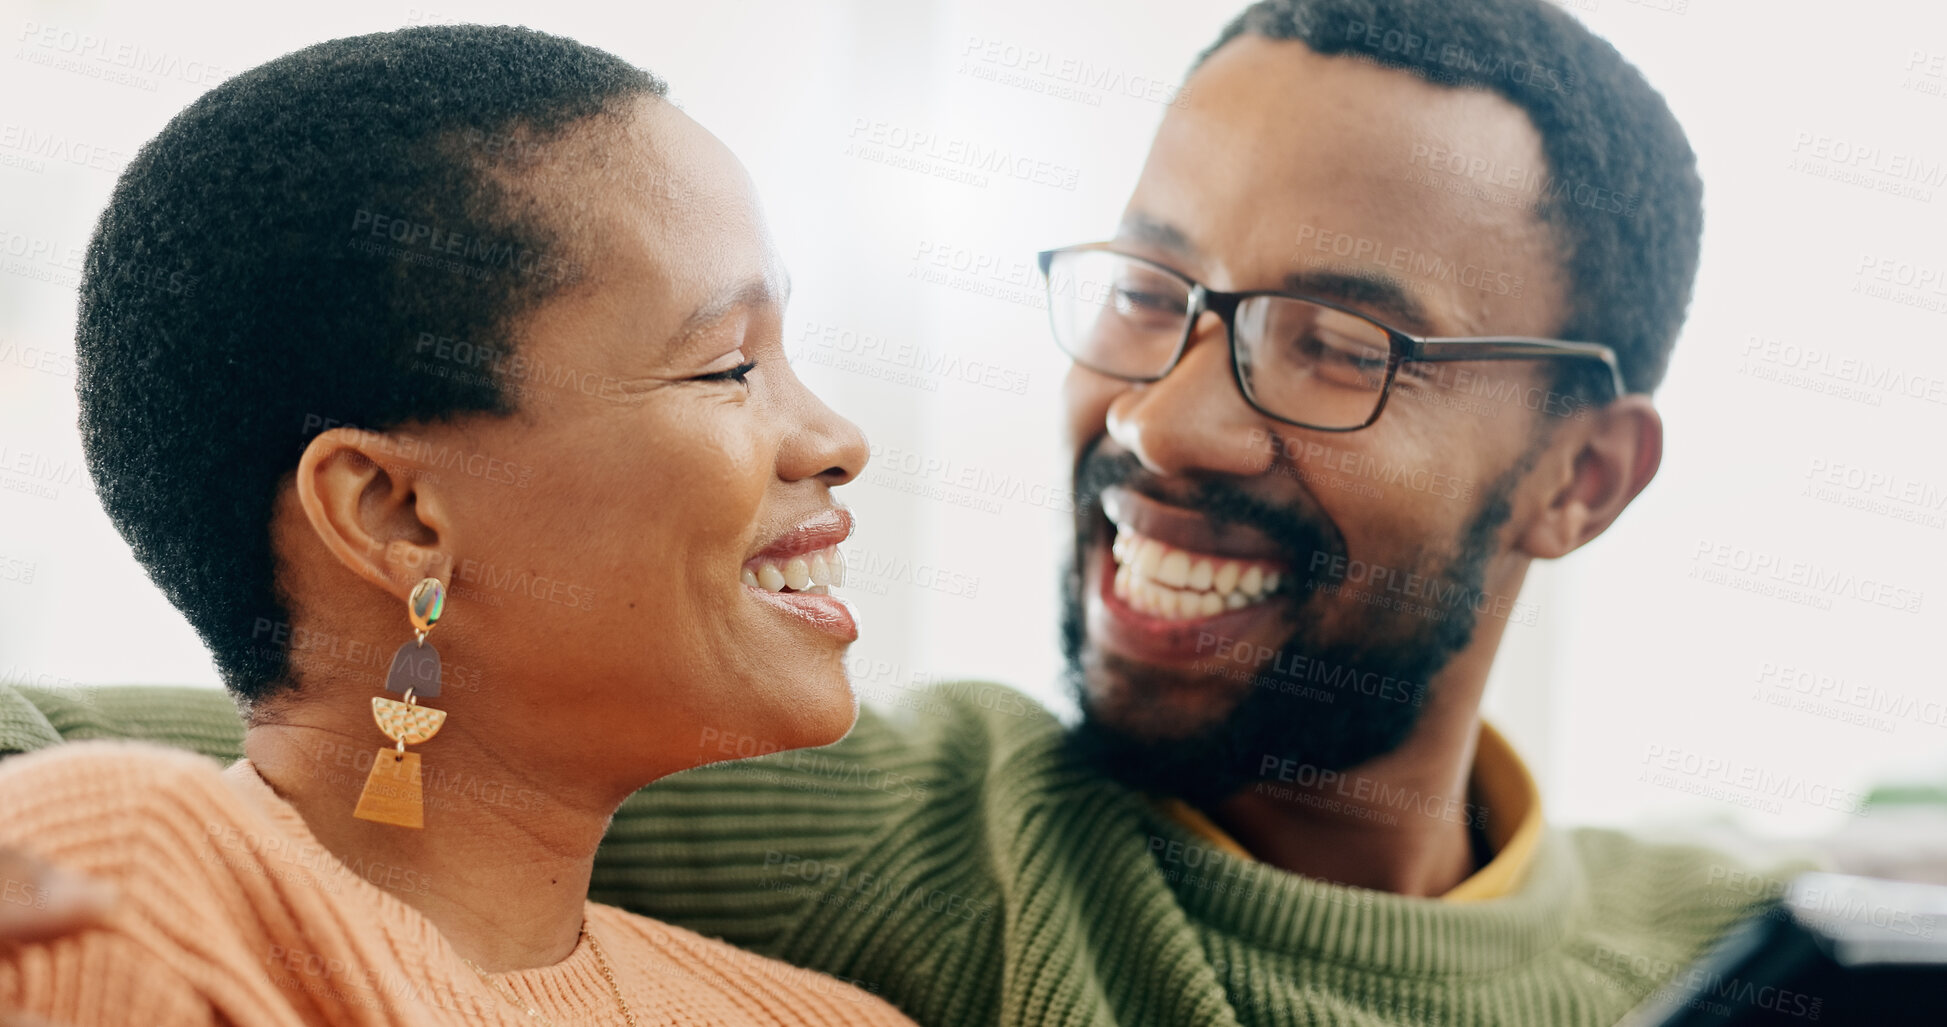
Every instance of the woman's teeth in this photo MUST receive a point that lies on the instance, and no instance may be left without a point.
(1177, 584)
(809, 572)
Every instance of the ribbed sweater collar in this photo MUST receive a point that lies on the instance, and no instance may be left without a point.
(1308, 920)
(1379, 932)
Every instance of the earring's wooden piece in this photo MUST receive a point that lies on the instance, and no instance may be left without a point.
(414, 666)
(392, 792)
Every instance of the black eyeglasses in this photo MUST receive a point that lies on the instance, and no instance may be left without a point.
(1297, 359)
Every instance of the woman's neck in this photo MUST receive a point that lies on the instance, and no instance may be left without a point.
(501, 866)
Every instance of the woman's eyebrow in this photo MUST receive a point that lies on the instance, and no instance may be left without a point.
(757, 291)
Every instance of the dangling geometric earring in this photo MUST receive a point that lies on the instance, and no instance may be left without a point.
(392, 791)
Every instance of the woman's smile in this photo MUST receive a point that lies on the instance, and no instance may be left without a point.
(794, 572)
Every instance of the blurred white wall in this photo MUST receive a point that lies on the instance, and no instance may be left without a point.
(1659, 682)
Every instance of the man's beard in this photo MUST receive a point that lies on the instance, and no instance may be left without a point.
(1317, 703)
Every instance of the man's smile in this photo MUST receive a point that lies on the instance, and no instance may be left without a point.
(1176, 564)
(1181, 584)
(1167, 578)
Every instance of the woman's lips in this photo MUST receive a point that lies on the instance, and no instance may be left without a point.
(796, 570)
(828, 613)
(820, 531)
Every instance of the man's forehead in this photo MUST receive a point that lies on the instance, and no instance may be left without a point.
(1260, 113)
(1282, 160)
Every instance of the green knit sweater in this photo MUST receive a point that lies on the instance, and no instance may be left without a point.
(957, 861)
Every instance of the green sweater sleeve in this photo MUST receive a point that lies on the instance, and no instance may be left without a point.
(202, 720)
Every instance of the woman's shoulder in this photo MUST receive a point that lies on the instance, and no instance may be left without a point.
(709, 966)
(203, 911)
(93, 805)
(103, 774)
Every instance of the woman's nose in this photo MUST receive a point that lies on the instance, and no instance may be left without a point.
(822, 444)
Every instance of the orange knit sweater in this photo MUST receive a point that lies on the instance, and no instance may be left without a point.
(232, 913)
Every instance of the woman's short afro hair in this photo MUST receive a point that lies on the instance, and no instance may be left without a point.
(267, 265)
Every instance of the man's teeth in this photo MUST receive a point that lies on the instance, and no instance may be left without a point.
(1164, 581)
(810, 572)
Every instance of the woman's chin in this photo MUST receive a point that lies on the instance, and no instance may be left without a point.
(814, 713)
(826, 713)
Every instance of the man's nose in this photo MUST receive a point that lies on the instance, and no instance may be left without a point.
(1194, 419)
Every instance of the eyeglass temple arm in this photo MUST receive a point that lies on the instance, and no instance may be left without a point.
(1514, 348)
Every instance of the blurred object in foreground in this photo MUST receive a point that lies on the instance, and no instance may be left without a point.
(1836, 949)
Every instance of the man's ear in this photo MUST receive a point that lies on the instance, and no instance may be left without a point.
(370, 510)
(1612, 458)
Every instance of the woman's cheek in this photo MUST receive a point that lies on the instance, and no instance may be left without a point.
(731, 468)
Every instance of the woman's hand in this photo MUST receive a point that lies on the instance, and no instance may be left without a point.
(40, 902)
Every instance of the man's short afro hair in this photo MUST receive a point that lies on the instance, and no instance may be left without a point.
(235, 300)
(1610, 140)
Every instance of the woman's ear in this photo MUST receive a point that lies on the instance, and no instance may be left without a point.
(1613, 457)
(372, 511)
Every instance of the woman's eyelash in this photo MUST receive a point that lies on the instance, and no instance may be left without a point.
(735, 374)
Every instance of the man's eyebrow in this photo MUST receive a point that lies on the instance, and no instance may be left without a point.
(1141, 227)
(1386, 295)
(754, 292)
(1377, 291)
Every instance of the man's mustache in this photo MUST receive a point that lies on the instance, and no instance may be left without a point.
(1298, 528)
